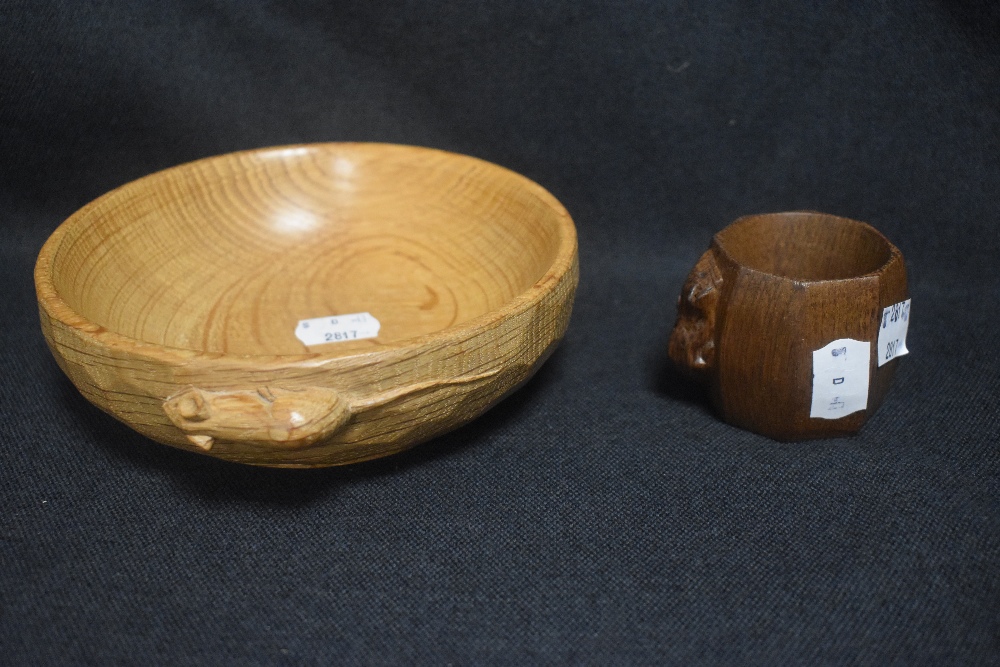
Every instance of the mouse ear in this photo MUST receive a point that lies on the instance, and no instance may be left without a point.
(692, 343)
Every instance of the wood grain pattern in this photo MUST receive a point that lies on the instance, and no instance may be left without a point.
(771, 289)
(172, 302)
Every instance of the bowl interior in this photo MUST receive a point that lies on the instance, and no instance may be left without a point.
(228, 254)
(805, 246)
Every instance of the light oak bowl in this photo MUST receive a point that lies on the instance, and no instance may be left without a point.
(172, 302)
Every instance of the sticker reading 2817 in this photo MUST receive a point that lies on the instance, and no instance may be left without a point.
(337, 329)
(892, 332)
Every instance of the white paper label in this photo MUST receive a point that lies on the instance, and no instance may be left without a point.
(892, 332)
(337, 329)
(840, 378)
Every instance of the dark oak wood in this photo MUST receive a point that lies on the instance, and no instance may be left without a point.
(769, 291)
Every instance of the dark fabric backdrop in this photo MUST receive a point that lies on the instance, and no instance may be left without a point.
(602, 514)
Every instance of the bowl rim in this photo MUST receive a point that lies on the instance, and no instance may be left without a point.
(53, 305)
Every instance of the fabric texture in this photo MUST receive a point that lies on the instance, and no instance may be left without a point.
(602, 514)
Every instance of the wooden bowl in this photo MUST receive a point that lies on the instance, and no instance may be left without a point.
(195, 304)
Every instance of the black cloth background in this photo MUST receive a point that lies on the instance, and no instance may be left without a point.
(602, 514)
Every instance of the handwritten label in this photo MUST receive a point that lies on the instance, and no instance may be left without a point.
(840, 378)
(337, 329)
(892, 332)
